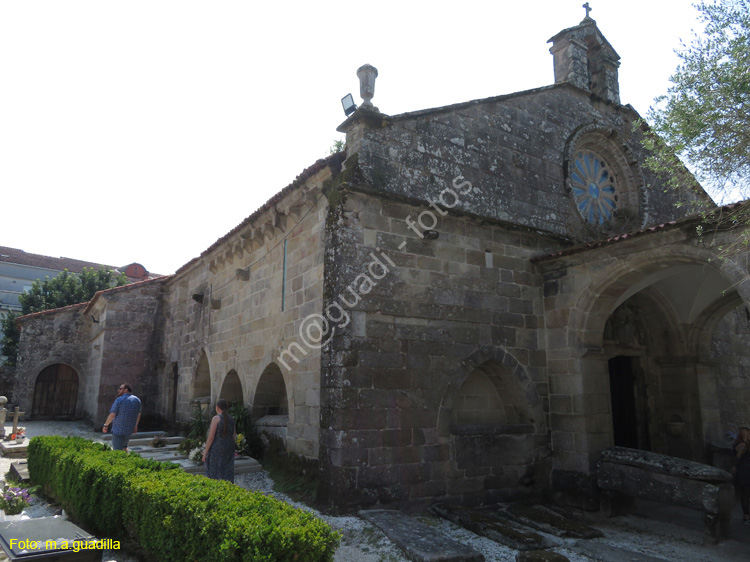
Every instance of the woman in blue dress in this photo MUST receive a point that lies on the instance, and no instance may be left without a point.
(219, 452)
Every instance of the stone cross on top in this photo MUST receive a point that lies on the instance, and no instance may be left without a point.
(16, 415)
(587, 8)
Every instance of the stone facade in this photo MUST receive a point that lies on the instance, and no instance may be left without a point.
(449, 309)
(106, 342)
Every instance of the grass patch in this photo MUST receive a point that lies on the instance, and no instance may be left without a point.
(292, 475)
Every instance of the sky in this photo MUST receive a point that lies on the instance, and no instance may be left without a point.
(143, 131)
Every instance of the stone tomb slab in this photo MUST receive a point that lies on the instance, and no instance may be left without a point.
(601, 551)
(147, 441)
(419, 542)
(14, 450)
(20, 469)
(490, 523)
(242, 465)
(51, 537)
(139, 435)
(548, 521)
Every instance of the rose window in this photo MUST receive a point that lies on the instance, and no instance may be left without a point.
(593, 188)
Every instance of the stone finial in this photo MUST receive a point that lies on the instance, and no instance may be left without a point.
(367, 75)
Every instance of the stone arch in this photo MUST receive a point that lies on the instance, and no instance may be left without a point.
(626, 277)
(271, 398)
(507, 376)
(673, 289)
(201, 386)
(492, 421)
(700, 336)
(231, 389)
(56, 390)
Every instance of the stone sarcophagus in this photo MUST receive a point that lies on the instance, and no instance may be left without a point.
(642, 474)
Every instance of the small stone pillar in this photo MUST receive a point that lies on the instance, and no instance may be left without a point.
(3, 413)
(366, 117)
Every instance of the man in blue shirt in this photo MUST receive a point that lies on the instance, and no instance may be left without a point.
(124, 417)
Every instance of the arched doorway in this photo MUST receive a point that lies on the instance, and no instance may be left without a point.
(634, 326)
(55, 393)
(231, 389)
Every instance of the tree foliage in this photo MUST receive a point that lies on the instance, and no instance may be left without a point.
(705, 116)
(64, 290)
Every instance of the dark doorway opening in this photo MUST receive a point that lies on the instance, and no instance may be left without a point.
(629, 403)
(55, 393)
(175, 386)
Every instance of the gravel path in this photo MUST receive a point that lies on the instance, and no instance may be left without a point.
(361, 542)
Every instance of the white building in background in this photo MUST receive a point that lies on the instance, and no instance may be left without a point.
(19, 269)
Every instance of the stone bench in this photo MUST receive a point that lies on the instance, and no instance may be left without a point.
(623, 474)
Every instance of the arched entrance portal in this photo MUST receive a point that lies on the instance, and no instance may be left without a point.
(55, 393)
(641, 335)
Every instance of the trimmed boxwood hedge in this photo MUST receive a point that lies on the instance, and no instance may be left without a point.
(173, 515)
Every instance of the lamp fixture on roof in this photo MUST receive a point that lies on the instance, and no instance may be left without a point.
(349, 106)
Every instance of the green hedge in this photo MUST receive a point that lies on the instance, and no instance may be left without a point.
(174, 516)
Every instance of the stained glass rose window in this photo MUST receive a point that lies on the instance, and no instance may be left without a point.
(593, 187)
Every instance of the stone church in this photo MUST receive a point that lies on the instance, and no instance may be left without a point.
(464, 303)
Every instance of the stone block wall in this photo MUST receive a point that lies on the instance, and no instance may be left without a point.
(420, 317)
(47, 338)
(122, 347)
(731, 351)
(107, 342)
(240, 324)
(514, 150)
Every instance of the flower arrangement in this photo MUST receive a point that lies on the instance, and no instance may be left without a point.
(240, 444)
(14, 500)
(197, 453)
(19, 434)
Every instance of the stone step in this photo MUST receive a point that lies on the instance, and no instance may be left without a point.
(490, 523)
(418, 541)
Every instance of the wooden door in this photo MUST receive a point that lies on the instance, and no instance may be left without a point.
(55, 393)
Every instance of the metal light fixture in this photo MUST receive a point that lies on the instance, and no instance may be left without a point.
(349, 106)
(198, 297)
